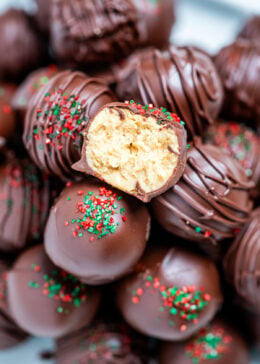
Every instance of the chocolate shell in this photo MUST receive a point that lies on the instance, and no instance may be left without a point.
(29, 87)
(251, 29)
(140, 150)
(217, 343)
(211, 201)
(238, 67)
(242, 264)
(46, 301)
(96, 233)
(91, 32)
(20, 46)
(181, 79)
(7, 119)
(172, 294)
(56, 117)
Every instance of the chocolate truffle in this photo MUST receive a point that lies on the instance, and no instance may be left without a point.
(43, 15)
(91, 32)
(182, 79)
(7, 90)
(10, 334)
(240, 142)
(25, 199)
(96, 233)
(238, 67)
(251, 29)
(242, 264)
(217, 343)
(47, 301)
(7, 119)
(211, 200)
(140, 150)
(172, 294)
(29, 87)
(56, 116)
(104, 343)
(20, 47)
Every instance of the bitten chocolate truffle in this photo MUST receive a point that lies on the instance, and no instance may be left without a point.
(217, 343)
(242, 264)
(25, 199)
(7, 119)
(140, 150)
(240, 142)
(100, 32)
(101, 343)
(251, 29)
(56, 117)
(47, 301)
(96, 233)
(10, 334)
(20, 47)
(238, 67)
(211, 201)
(30, 86)
(172, 294)
(181, 79)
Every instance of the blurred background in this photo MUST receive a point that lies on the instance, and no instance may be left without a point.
(208, 24)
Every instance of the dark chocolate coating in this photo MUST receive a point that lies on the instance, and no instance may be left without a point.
(211, 200)
(218, 343)
(43, 15)
(240, 142)
(43, 303)
(29, 87)
(92, 257)
(242, 264)
(140, 296)
(251, 29)
(7, 119)
(238, 67)
(25, 199)
(20, 47)
(56, 116)
(101, 343)
(183, 80)
(162, 118)
(91, 31)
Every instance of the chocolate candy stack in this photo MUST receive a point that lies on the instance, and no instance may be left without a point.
(129, 180)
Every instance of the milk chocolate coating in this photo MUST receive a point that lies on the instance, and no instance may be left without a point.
(104, 31)
(101, 342)
(97, 247)
(242, 264)
(183, 80)
(251, 30)
(161, 117)
(161, 271)
(25, 199)
(240, 142)
(56, 116)
(29, 87)
(217, 343)
(45, 301)
(211, 200)
(7, 90)
(238, 67)
(43, 15)
(7, 119)
(20, 47)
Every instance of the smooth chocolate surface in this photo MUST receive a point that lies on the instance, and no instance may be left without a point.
(172, 294)
(251, 29)
(7, 119)
(46, 301)
(95, 232)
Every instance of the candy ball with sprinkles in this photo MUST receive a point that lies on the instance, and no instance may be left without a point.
(217, 343)
(96, 232)
(56, 116)
(172, 294)
(7, 119)
(47, 301)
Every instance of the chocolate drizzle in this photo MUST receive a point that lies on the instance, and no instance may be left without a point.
(210, 201)
(241, 263)
(57, 115)
(181, 79)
